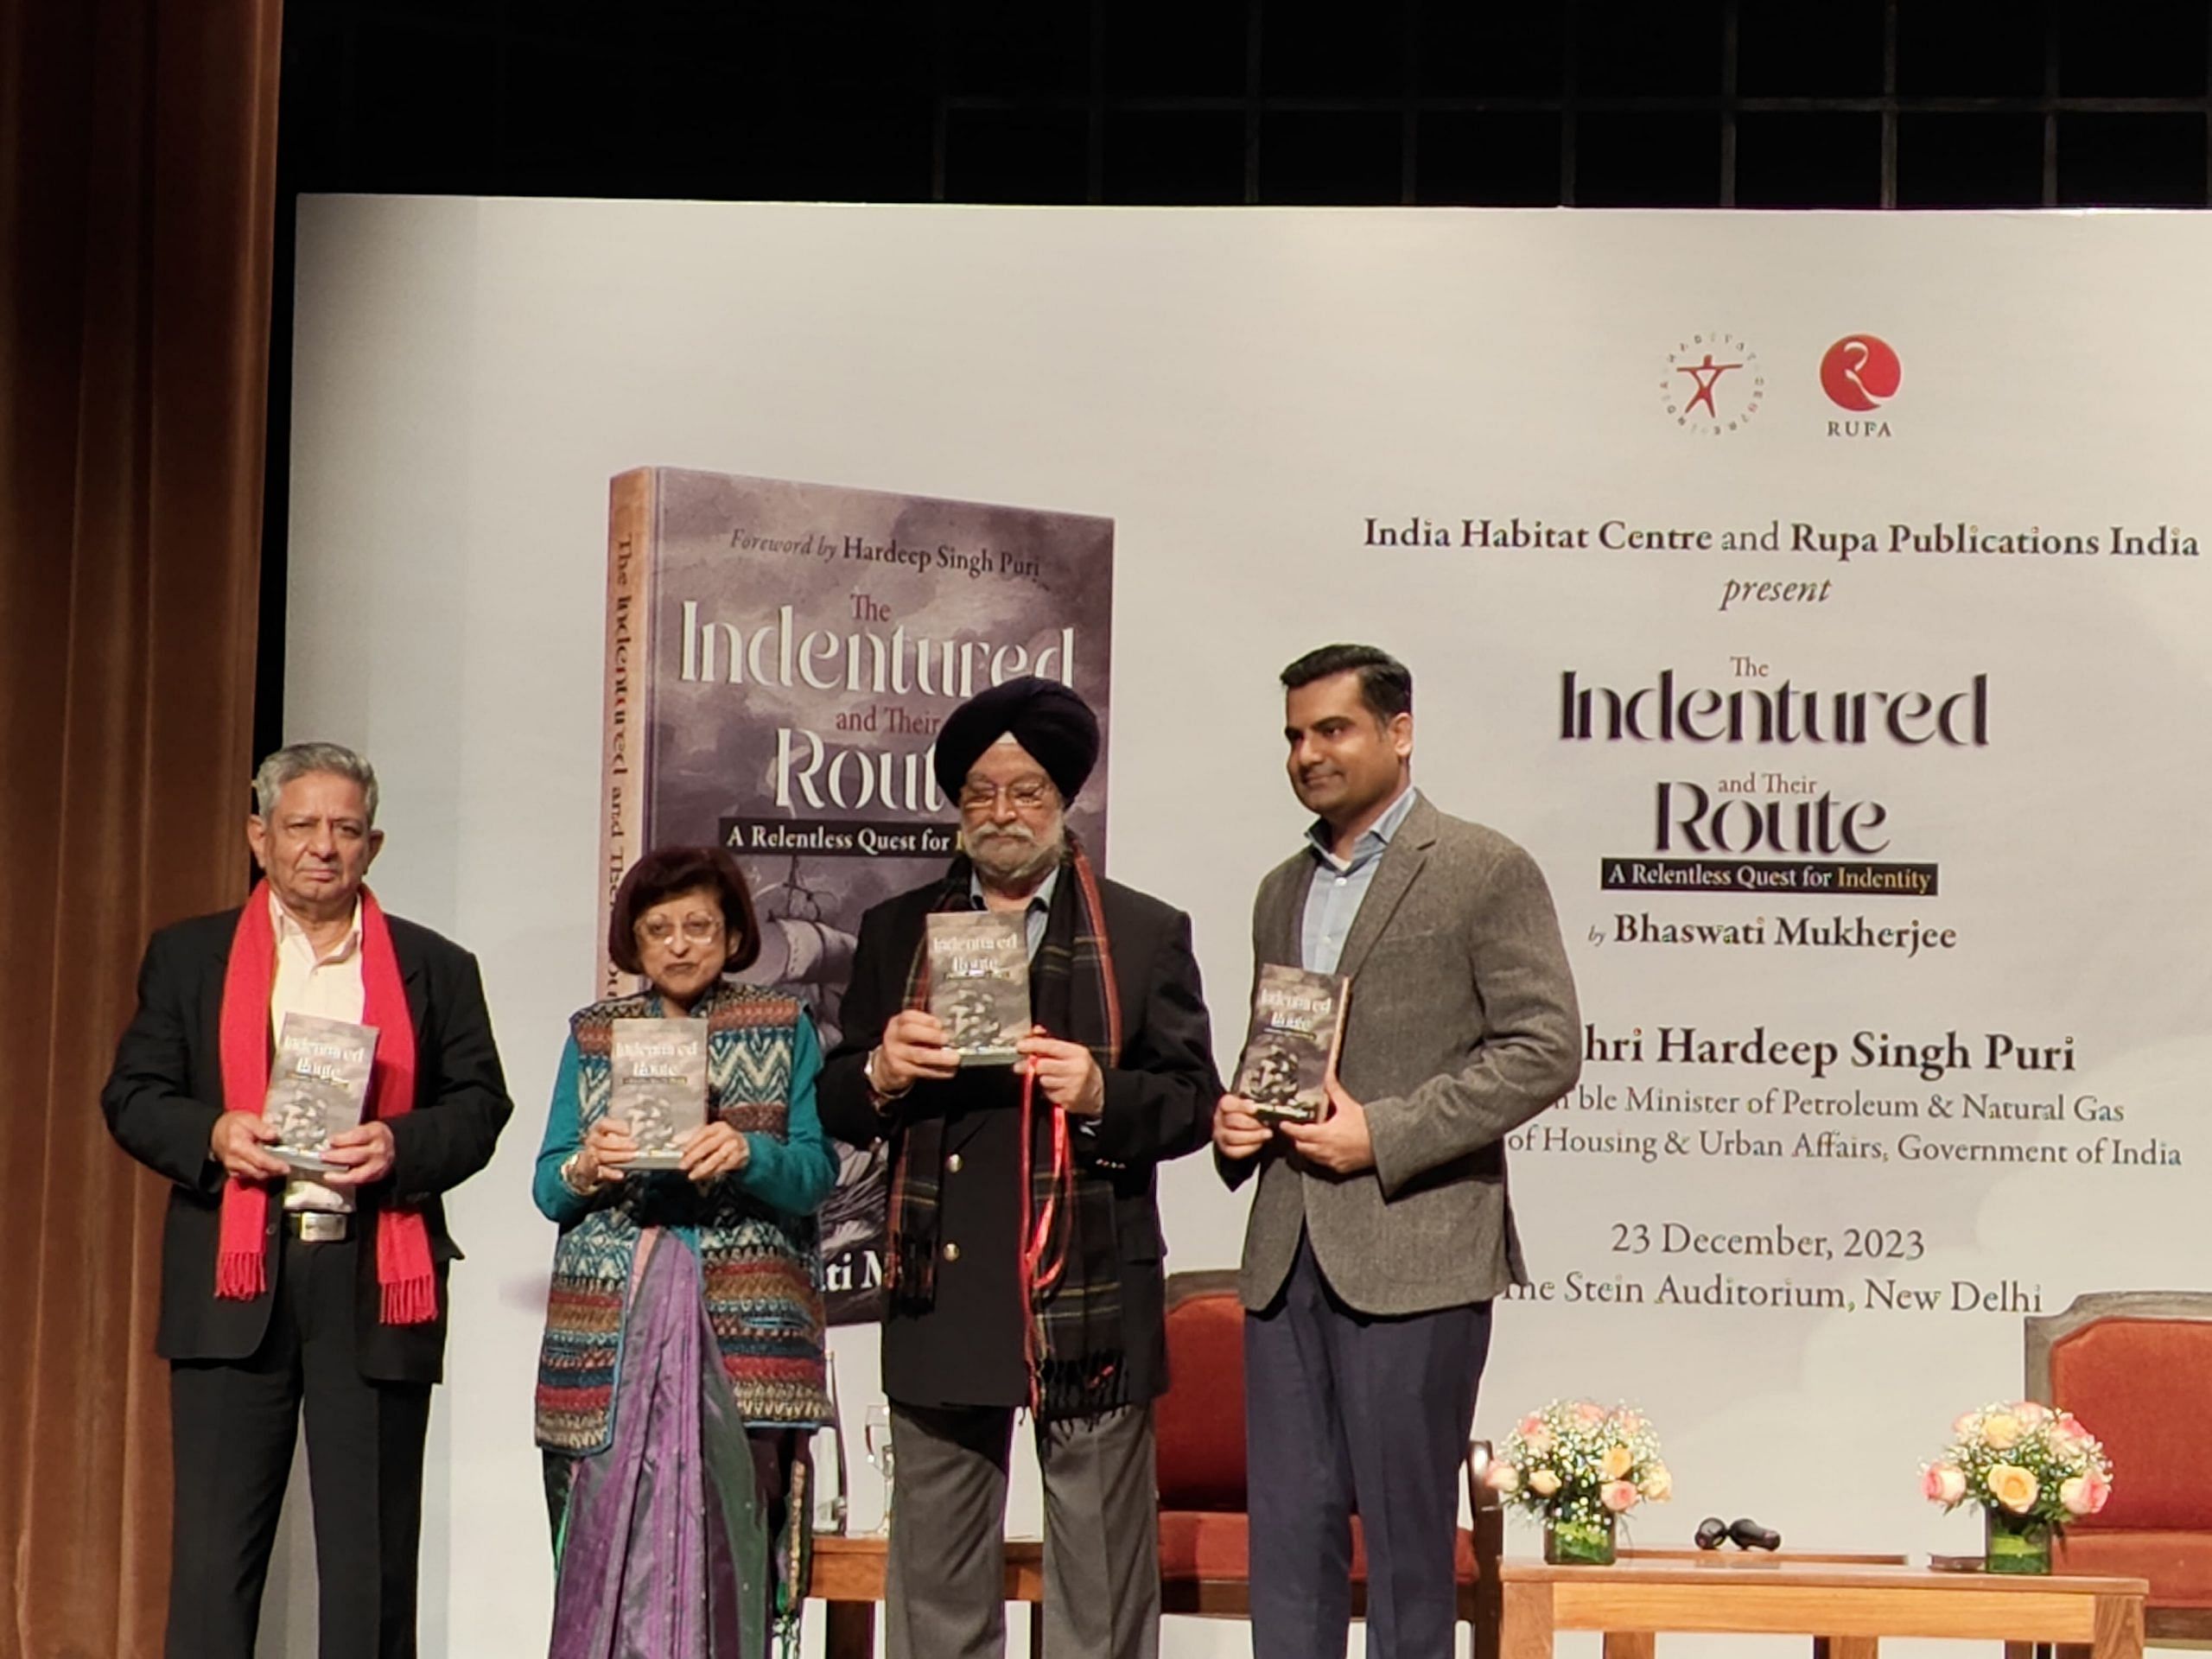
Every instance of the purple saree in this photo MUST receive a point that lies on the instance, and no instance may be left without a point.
(662, 1549)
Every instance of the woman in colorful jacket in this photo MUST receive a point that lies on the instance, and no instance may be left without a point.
(682, 1360)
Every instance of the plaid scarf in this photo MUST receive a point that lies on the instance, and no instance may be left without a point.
(1070, 1263)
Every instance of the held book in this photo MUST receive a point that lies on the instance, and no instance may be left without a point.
(659, 1085)
(979, 983)
(318, 1087)
(1297, 1020)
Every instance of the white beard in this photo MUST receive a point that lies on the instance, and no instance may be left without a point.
(1017, 857)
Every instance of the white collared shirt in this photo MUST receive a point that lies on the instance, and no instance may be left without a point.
(330, 987)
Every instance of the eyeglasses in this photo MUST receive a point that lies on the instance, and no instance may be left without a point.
(1025, 797)
(700, 930)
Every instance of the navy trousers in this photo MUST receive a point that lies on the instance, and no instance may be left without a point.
(1348, 1413)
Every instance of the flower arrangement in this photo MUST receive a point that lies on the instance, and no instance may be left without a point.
(2030, 1470)
(1580, 1466)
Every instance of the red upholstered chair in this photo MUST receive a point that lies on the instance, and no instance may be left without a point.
(1199, 1425)
(2136, 1368)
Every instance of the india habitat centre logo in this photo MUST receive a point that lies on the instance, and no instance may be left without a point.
(1713, 383)
(1860, 372)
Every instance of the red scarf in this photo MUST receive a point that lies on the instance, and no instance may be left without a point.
(403, 1269)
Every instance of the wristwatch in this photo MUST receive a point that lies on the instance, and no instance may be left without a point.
(567, 1173)
(877, 1097)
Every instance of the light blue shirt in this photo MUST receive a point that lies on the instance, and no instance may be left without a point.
(1339, 885)
(1041, 906)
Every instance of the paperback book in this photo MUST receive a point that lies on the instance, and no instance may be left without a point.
(318, 1087)
(979, 983)
(1297, 1019)
(659, 1086)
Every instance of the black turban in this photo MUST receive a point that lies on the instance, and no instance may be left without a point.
(1051, 722)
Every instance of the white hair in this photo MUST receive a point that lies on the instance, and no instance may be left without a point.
(297, 760)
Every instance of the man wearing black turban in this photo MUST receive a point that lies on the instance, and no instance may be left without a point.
(1051, 723)
(1023, 1262)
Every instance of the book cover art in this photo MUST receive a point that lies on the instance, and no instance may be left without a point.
(318, 1087)
(1297, 1017)
(659, 1085)
(779, 656)
(979, 983)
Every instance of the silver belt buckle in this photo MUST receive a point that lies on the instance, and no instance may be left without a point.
(320, 1226)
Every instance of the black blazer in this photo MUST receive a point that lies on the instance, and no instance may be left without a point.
(1159, 1102)
(166, 1091)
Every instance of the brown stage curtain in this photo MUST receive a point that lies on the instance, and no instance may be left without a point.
(137, 188)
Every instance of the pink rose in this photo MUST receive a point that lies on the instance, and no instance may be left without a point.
(1502, 1477)
(1589, 1415)
(1943, 1482)
(1629, 1422)
(1536, 1443)
(1618, 1496)
(1532, 1424)
(1965, 1424)
(2000, 1430)
(2096, 1488)
(2029, 1412)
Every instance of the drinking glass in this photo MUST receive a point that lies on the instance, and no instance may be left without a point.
(877, 1430)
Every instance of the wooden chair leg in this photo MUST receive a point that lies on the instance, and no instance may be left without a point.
(1484, 1617)
(849, 1630)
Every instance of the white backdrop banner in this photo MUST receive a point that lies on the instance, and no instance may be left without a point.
(1820, 598)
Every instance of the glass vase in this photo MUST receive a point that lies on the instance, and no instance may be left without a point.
(1569, 1542)
(2015, 1543)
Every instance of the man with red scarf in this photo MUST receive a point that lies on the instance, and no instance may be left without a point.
(278, 1289)
(1024, 1247)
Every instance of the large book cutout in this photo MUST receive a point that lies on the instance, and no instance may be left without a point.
(779, 658)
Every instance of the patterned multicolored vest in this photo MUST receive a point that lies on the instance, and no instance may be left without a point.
(762, 1269)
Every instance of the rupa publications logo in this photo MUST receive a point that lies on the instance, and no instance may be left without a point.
(1860, 372)
(1713, 383)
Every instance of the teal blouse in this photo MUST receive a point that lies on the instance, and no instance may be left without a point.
(792, 1175)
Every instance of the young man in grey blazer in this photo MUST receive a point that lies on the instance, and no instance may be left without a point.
(1379, 1236)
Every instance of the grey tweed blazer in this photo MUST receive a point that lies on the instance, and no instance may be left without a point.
(1462, 1025)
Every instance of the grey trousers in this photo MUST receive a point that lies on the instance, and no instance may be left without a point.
(944, 1583)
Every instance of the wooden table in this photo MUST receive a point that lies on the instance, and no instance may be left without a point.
(1742, 1561)
(849, 1579)
(1845, 1609)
